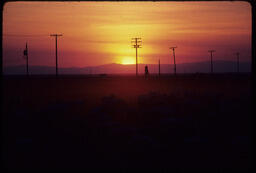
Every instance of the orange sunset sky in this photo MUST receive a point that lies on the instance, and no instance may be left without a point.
(96, 33)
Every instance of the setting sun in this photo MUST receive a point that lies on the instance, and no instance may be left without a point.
(128, 60)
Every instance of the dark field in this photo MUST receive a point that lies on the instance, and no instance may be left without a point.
(187, 122)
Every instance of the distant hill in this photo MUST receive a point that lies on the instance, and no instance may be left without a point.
(200, 67)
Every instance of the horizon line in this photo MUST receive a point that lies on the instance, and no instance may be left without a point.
(6, 66)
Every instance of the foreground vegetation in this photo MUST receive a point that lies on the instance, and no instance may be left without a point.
(119, 123)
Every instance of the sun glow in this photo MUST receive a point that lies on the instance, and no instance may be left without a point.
(104, 36)
(128, 60)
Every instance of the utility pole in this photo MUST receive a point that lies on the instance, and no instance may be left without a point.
(159, 67)
(56, 36)
(237, 54)
(26, 54)
(173, 49)
(136, 43)
(211, 51)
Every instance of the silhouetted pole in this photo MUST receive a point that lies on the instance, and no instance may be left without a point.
(26, 54)
(159, 67)
(136, 44)
(237, 54)
(173, 49)
(56, 36)
(136, 62)
(211, 51)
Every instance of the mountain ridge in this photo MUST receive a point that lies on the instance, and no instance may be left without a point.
(115, 68)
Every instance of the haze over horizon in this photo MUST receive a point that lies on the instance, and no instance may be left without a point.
(97, 33)
(115, 68)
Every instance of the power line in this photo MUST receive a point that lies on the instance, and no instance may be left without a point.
(23, 35)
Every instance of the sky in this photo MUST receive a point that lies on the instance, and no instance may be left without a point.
(97, 33)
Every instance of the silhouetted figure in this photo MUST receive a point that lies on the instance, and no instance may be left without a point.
(146, 71)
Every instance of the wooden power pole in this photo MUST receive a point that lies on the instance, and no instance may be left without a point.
(237, 54)
(211, 51)
(173, 49)
(56, 36)
(159, 67)
(136, 43)
(26, 57)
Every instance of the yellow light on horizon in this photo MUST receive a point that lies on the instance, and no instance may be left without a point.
(127, 60)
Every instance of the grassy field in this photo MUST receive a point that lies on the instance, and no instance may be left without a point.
(127, 122)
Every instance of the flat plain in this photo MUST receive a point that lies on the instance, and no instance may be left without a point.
(111, 122)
